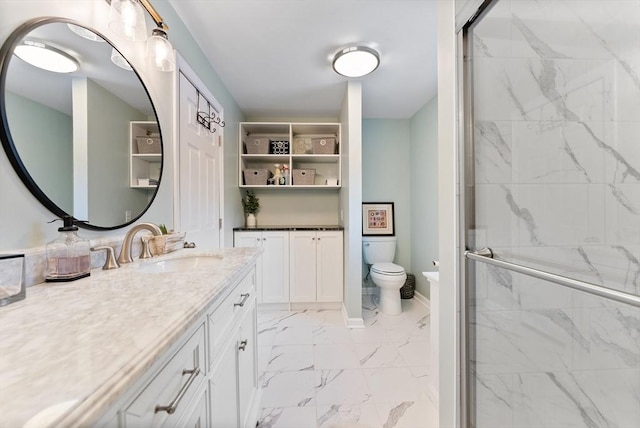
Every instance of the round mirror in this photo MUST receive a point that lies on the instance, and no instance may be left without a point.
(78, 124)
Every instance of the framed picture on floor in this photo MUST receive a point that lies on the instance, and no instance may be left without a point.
(377, 219)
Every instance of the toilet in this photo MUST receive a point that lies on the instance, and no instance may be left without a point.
(389, 277)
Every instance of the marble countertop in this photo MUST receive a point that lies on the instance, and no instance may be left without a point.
(289, 228)
(70, 350)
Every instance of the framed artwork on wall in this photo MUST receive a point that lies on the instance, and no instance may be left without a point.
(377, 219)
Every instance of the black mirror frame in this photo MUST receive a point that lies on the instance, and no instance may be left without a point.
(6, 53)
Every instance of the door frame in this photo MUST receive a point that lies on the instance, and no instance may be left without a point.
(184, 68)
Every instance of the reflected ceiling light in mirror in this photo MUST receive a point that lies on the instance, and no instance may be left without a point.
(86, 34)
(160, 51)
(119, 60)
(46, 57)
(126, 18)
(356, 61)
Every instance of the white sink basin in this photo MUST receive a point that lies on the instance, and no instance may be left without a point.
(181, 264)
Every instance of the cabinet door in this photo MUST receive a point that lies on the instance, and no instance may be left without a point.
(275, 267)
(251, 239)
(329, 264)
(198, 418)
(303, 266)
(224, 390)
(248, 369)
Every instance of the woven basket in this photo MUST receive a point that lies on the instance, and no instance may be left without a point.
(304, 177)
(164, 244)
(257, 145)
(409, 287)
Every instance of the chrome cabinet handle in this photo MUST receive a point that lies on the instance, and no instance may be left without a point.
(243, 345)
(244, 296)
(171, 408)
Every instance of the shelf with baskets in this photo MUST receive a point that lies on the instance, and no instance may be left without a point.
(145, 155)
(306, 155)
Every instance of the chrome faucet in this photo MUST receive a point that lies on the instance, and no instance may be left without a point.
(125, 251)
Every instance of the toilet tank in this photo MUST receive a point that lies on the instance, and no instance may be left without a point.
(379, 249)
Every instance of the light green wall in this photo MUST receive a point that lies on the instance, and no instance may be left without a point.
(424, 192)
(44, 138)
(400, 165)
(109, 192)
(190, 51)
(386, 176)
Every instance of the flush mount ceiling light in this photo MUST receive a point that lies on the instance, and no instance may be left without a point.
(356, 61)
(46, 57)
(126, 18)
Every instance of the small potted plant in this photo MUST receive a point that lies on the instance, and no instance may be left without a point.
(251, 205)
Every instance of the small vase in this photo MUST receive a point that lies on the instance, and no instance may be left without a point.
(251, 221)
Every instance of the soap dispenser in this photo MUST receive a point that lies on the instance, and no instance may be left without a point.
(68, 256)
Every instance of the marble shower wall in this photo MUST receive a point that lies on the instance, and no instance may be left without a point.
(556, 93)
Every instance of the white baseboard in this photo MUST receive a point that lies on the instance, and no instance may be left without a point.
(420, 298)
(351, 322)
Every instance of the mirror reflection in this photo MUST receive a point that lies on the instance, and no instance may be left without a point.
(88, 136)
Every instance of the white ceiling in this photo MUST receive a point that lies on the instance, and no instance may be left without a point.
(274, 56)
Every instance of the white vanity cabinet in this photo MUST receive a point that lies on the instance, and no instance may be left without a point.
(169, 397)
(233, 384)
(272, 269)
(316, 266)
(209, 378)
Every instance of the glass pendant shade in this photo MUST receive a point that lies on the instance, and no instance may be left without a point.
(126, 18)
(160, 52)
(119, 60)
(85, 34)
(46, 57)
(356, 61)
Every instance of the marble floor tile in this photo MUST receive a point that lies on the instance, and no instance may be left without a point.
(331, 334)
(393, 384)
(373, 355)
(293, 335)
(345, 415)
(335, 356)
(370, 334)
(288, 389)
(343, 386)
(409, 414)
(288, 417)
(415, 353)
(315, 372)
(290, 357)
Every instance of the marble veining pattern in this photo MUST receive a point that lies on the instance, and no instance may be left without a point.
(556, 107)
(84, 343)
(372, 377)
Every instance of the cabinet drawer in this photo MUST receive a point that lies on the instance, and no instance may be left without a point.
(172, 385)
(228, 314)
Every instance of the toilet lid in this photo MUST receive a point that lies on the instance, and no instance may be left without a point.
(388, 268)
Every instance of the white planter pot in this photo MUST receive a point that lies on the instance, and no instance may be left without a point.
(251, 221)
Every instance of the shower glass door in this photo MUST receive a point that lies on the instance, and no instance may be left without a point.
(553, 183)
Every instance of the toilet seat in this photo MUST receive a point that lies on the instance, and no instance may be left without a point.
(388, 269)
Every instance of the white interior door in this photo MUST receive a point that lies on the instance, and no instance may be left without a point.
(199, 171)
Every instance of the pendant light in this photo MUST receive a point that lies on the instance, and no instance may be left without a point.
(356, 61)
(160, 51)
(126, 18)
(119, 60)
